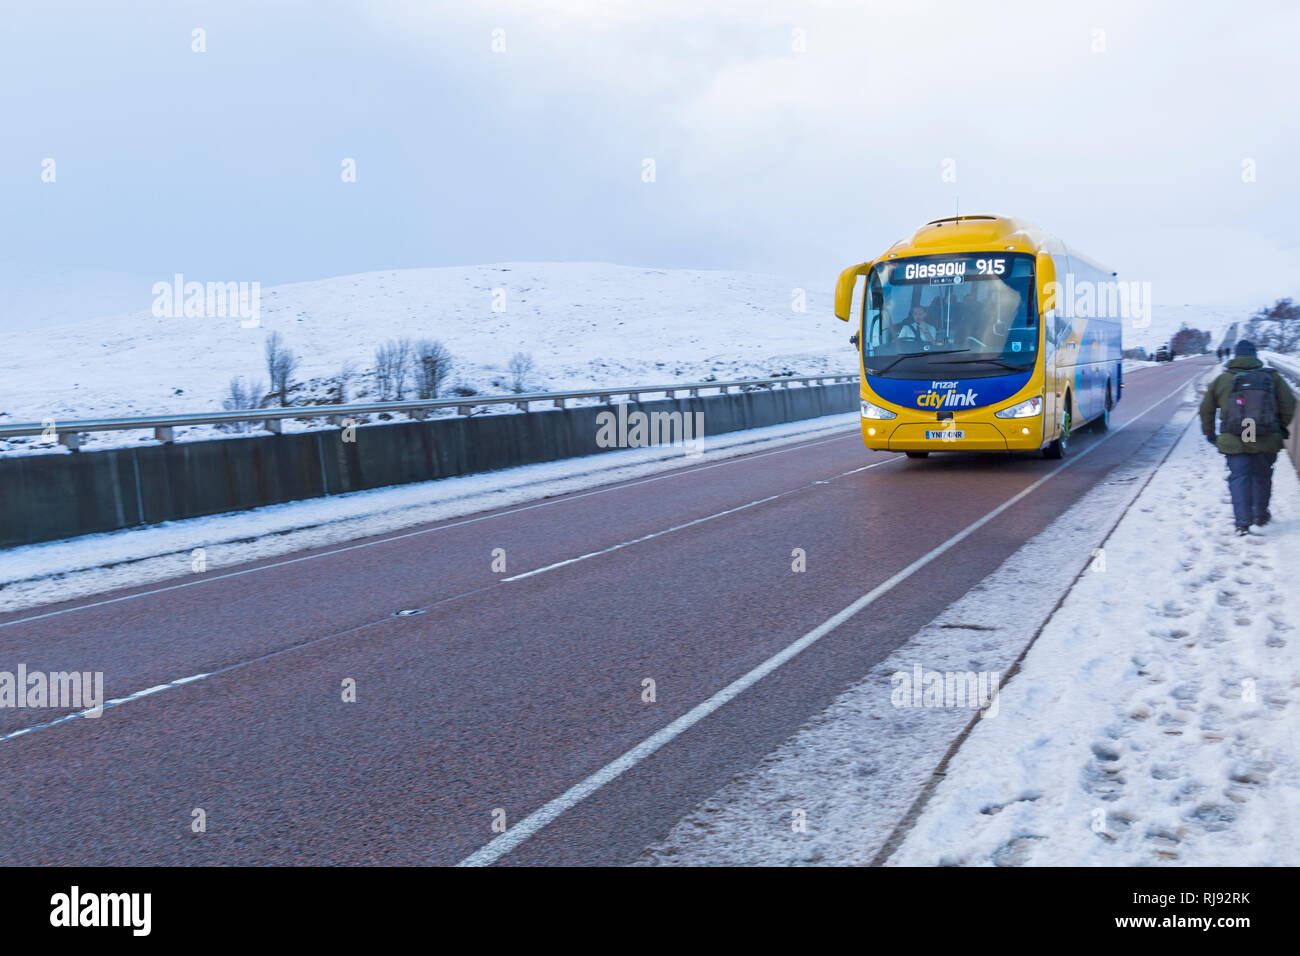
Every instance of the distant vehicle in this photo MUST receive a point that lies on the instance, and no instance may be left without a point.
(1163, 354)
(964, 346)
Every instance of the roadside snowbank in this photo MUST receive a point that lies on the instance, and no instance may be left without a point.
(1154, 719)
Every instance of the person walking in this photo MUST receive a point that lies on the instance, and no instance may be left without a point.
(1255, 407)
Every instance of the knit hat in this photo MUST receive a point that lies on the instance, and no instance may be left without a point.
(1246, 348)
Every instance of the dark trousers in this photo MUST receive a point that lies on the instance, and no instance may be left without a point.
(1250, 480)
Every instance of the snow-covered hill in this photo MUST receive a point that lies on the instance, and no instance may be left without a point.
(584, 325)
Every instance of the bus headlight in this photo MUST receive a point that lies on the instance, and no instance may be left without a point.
(1026, 409)
(875, 411)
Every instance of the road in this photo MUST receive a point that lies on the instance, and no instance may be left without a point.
(516, 692)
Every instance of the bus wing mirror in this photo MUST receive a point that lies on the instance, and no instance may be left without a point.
(844, 289)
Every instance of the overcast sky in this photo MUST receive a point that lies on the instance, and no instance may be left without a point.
(793, 138)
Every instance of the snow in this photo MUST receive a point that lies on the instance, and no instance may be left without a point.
(856, 768)
(1288, 365)
(1152, 720)
(586, 325)
(1167, 318)
(1154, 704)
(77, 567)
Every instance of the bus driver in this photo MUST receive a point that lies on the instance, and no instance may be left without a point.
(917, 326)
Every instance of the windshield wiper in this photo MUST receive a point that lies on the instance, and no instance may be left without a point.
(906, 355)
(989, 361)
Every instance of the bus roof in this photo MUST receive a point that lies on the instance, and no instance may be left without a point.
(957, 234)
(975, 233)
(983, 233)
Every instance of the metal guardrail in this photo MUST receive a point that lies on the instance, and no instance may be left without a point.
(164, 426)
(1284, 365)
(1290, 370)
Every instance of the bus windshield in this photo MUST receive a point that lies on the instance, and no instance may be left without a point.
(966, 315)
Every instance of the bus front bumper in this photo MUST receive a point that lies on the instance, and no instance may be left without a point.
(1012, 434)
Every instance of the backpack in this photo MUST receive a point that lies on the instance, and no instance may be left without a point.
(1253, 397)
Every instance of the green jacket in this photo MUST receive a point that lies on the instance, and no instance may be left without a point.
(1216, 397)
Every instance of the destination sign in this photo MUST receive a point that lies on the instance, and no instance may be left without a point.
(952, 271)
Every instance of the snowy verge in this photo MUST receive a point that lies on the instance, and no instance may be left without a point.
(855, 770)
(1151, 722)
(76, 567)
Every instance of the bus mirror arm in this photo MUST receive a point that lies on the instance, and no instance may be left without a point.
(844, 289)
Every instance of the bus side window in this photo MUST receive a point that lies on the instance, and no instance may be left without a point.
(1062, 328)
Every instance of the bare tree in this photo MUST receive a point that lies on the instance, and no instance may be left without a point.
(343, 381)
(520, 367)
(432, 366)
(1189, 341)
(243, 396)
(281, 363)
(1276, 327)
(392, 365)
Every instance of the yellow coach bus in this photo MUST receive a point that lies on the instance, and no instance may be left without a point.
(971, 339)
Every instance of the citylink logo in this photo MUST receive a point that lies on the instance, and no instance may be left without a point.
(946, 395)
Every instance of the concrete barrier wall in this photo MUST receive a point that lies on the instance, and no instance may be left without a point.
(47, 497)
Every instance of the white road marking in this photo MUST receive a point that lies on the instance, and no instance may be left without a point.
(541, 817)
(284, 650)
(498, 847)
(796, 446)
(115, 702)
(563, 499)
(690, 524)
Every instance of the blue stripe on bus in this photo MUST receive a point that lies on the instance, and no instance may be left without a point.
(940, 394)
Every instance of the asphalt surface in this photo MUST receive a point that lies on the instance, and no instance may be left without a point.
(504, 693)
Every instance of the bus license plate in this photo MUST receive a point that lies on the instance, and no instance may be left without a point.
(946, 434)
